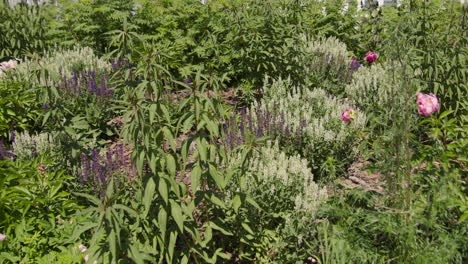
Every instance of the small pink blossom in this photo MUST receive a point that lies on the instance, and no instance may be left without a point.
(86, 258)
(2, 237)
(348, 115)
(312, 260)
(427, 103)
(371, 57)
(42, 168)
(82, 248)
(95, 262)
(7, 65)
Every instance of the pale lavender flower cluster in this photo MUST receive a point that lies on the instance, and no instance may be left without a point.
(86, 82)
(259, 123)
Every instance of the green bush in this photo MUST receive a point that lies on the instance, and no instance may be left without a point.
(35, 210)
(19, 108)
(23, 30)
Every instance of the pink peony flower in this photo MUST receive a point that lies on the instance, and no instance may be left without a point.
(2, 237)
(82, 248)
(348, 115)
(371, 57)
(427, 104)
(7, 65)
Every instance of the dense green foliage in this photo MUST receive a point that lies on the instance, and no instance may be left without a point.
(237, 131)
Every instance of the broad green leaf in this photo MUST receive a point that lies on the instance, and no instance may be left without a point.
(171, 165)
(163, 189)
(195, 177)
(236, 203)
(148, 196)
(162, 221)
(176, 212)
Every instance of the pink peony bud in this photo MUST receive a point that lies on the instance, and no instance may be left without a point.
(82, 248)
(348, 115)
(427, 104)
(371, 57)
(2, 237)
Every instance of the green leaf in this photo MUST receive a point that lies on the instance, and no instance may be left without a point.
(113, 245)
(148, 196)
(152, 112)
(216, 176)
(176, 212)
(195, 177)
(214, 199)
(218, 225)
(171, 165)
(236, 203)
(90, 198)
(169, 137)
(171, 246)
(140, 162)
(247, 228)
(201, 147)
(162, 221)
(77, 233)
(163, 190)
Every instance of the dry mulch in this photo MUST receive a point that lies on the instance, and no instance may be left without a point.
(359, 177)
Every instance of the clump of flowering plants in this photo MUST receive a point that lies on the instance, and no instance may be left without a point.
(101, 166)
(320, 135)
(86, 82)
(258, 123)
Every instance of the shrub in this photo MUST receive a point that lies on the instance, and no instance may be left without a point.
(19, 108)
(87, 22)
(35, 210)
(23, 30)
